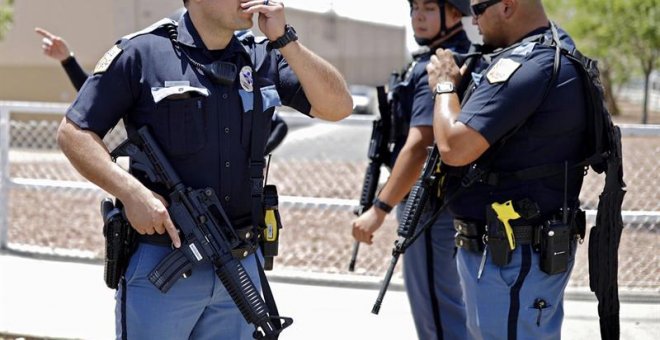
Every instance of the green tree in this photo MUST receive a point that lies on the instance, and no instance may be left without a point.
(624, 35)
(6, 15)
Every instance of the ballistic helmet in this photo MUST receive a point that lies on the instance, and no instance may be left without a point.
(462, 5)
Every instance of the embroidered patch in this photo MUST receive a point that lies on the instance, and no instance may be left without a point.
(502, 70)
(245, 78)
(107, 59)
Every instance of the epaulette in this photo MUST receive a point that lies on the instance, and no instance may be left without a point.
(104, 63)
(160, 23)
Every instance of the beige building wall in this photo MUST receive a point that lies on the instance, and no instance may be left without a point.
(364, 52)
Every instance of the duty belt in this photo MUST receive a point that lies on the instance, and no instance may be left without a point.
(471, 234)
(246, 234)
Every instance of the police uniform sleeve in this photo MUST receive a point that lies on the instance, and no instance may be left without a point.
(109, 93)
(422, 99)
(510, 91)
(289, 88)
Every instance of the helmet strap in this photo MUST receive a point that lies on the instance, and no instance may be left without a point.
(444, 31)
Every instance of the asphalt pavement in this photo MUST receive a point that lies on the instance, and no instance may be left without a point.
(48, 298)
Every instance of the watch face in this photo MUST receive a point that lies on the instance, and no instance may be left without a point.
(444, 87)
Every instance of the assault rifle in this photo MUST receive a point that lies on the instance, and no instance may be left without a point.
(407, 231)
(379, 153)
(207, 235)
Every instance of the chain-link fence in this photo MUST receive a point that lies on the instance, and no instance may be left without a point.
(46, 206)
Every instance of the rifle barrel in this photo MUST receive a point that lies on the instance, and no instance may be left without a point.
(386, 283)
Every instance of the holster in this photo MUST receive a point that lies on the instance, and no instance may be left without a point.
(498, 246)
(269, 238)
(119, 242)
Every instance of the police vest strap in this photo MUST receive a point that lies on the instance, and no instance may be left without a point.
(256, 168)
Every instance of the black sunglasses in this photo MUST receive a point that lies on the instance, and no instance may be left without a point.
(480, 8)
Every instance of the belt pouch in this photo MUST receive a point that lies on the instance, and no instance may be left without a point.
(555, 247)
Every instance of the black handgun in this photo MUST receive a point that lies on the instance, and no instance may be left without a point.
(207, 234)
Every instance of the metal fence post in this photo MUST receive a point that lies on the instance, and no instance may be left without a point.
(4, 175)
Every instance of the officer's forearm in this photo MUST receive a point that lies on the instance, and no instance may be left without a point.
(324, 86)
(405, 172)
(88, 154)
(458, 144)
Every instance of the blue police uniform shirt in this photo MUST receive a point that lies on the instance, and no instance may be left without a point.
(203, 127)
(553, 130)
(415, 103)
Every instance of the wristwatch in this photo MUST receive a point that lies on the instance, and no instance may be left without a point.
(444, 87)
(382, 205)
(289, 36)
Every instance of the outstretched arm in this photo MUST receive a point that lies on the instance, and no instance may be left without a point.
(57, 48)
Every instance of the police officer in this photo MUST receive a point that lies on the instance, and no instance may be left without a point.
(430, 273)
(163, 77)
(525, 113)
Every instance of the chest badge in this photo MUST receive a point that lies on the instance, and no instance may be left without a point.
(107, 59)
(502, 70)
(245, 78)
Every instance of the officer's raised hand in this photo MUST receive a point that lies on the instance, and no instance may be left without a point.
(147, 213)
(271, 16)
(442, 68)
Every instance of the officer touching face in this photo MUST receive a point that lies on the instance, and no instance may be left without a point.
(517, 221)
(198, 87)
(430, 271)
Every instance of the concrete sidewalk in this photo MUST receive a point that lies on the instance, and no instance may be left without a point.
(59, 299)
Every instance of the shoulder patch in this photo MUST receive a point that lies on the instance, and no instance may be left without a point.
(107, 59)
(502, 70)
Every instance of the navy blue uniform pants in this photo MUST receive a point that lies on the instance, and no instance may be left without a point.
(197, 307)
(432, 281)
(505, 302)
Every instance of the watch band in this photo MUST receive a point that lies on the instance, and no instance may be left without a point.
(382, 205)
(289, 36)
